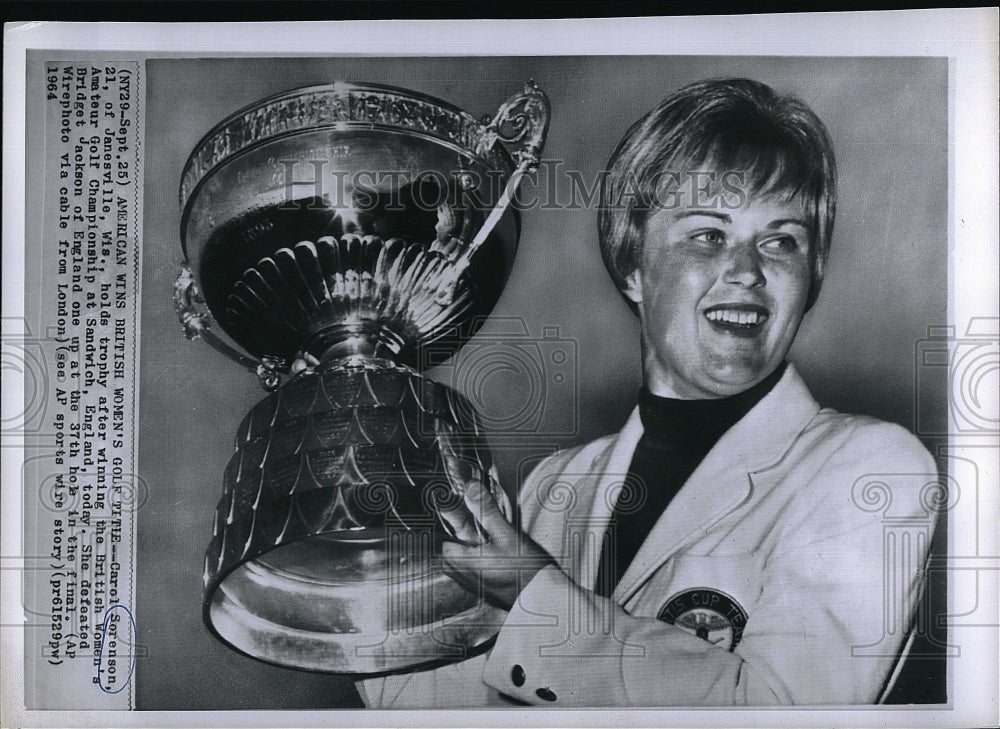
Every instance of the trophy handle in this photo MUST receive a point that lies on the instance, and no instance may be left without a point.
(197, 325)
(522, 120)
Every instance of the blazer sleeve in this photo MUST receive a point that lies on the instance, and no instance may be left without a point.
(821, 632)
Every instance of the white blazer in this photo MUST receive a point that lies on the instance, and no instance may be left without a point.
(785, 571)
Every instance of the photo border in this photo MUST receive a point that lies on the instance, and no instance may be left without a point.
(967, 37)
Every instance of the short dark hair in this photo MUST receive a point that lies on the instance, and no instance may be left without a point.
(776, 142)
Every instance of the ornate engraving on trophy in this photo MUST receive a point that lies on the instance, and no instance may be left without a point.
(332, 105)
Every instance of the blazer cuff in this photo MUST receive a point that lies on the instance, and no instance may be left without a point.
(541, 658)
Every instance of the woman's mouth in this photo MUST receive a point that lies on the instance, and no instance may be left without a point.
(743, 320)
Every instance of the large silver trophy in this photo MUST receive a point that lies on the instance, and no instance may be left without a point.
(332, 232)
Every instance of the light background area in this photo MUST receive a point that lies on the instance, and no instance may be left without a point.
(886, 282)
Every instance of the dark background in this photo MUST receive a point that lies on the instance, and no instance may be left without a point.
(886, 282)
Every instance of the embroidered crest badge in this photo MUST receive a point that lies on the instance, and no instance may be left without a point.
(710, 614)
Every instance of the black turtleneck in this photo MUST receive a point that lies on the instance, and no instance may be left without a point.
(677, 435)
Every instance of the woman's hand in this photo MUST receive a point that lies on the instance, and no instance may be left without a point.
(492, 552)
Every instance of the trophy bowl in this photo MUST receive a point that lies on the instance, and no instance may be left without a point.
(330, 233)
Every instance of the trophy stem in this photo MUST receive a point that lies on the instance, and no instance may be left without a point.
(339, 341)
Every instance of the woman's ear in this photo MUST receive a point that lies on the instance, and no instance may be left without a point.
(633, 287)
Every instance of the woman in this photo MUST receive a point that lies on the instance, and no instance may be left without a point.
(714, 551)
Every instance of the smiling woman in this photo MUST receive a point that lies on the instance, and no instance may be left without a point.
(730, 139)
(720, 295)
(714, 552)
(720, 270)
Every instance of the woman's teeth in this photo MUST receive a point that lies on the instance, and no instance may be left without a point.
(731, 316)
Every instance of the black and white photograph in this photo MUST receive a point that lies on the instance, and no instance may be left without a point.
(532, 383)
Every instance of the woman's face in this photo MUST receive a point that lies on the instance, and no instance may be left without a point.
(720, 293)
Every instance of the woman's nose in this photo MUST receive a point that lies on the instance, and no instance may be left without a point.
(743, 266)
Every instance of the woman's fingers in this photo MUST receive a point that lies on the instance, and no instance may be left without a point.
(467, 480)
(486, 510)
(461, 522)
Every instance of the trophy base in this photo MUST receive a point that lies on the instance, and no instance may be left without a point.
(326, 547)
(326, 606)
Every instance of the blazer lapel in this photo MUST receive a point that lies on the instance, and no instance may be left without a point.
(584, 527)
(722, 482)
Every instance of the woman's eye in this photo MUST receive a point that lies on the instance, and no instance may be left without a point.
(784, 243)
(712, 237)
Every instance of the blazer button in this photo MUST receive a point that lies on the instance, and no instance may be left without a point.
(517, 675)
(545, 694)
